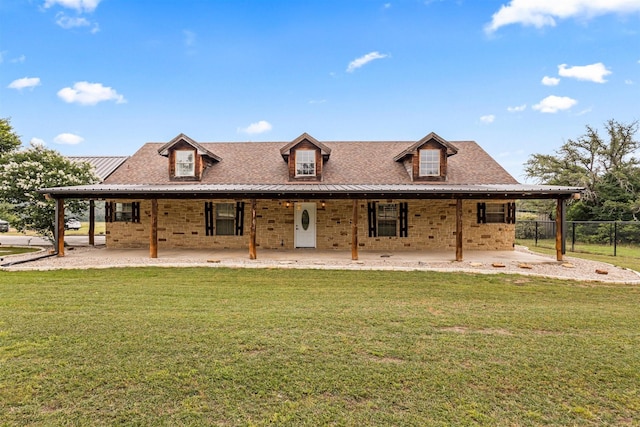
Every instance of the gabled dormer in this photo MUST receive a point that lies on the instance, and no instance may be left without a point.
(426, 160)
(188, 160)
(305, 157)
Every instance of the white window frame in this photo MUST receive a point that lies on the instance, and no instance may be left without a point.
(185, 163)
(429, 162)
(305, 163)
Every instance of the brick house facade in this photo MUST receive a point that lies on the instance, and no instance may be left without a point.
(350, 195)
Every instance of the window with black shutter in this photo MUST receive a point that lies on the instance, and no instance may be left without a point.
(224, 219)
(388, 219)
(496, 213)
(122, 212)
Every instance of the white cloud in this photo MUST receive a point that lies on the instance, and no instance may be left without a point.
(68, 139)
(593, 73)
(553, 104)
(387, 5)
(37, 142)
(19, 60)
(490, 118)
(25, 82)
(78, 5)
(629, 82)
(550, 81)
(363, 60)
(541, 13)
(517, 109)
(85, 93)
(67, 22)
(255, 128)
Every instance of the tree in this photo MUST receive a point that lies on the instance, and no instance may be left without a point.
(606, 168)
(24, 172)
(9, 140)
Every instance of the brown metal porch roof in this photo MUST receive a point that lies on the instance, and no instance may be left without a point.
(312, 191)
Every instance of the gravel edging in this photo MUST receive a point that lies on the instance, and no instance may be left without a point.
(572, 268)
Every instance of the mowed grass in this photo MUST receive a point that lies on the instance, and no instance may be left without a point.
(214, 346)
(16, 250)
(626, 256)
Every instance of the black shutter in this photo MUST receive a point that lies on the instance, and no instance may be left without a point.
(135, 212)
(108, 211)
(404, 219)
(511, 213)
(239, 218)
(208, 218)
(373, 228)
(482, 213)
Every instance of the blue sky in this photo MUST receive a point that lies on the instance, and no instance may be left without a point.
(102, 77)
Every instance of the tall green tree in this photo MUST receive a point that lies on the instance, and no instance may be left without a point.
(605, 166)
(9, 140)
(24, 172)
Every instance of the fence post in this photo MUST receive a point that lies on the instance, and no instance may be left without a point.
(615, 238)
(573, 236)
(536, 233)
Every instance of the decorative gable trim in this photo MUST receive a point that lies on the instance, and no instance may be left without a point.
(305, 142)
(413, 149)
(325, 151)
(184, 139)
(411, 157)
(203, 157)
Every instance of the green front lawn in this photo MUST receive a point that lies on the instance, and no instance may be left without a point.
(16, 250)
(626, 256)
(214, 346)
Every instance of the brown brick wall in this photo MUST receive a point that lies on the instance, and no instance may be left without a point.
(431, 225)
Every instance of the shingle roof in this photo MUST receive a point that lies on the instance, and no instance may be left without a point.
(351, 162)
(103, 166)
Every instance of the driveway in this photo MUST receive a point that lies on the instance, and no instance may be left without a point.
(24, 240)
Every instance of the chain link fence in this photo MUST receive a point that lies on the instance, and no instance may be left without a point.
(598, 237)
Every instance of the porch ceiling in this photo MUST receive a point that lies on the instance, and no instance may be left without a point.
(313, 191)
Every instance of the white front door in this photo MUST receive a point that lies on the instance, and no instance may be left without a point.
(305, 223)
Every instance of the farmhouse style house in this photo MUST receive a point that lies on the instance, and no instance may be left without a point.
(342, 195)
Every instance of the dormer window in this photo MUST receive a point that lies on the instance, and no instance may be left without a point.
(187, 160)
(185, 163)
(429, 162)
(305, 162)
(305, 157)
(426, 160)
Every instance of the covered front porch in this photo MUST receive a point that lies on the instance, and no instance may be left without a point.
(356, 196)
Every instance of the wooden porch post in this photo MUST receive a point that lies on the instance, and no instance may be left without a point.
(92, 222)
(252, 233)
(60, 227)
(354, 231)
(458, 229)
(153, 235)
(559, 228)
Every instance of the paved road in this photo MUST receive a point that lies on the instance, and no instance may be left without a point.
(13, 240)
